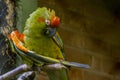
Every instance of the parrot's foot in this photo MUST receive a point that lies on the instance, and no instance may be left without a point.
(30, 75)
(55, 66)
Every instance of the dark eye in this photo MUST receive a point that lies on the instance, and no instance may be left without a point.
(47, 22)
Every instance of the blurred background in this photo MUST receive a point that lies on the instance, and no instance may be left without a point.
(90, 30)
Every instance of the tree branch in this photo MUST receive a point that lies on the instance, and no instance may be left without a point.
(24, 68)
(14, 72)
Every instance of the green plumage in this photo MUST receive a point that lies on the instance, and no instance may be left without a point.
(35, 40)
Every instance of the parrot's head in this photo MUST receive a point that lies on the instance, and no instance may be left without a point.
(45, 19)
(48, 16)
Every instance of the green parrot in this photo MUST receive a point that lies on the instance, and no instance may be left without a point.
(42, 43)
(40, 37)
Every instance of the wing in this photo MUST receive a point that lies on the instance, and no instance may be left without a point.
(56, 38)
(37, 58)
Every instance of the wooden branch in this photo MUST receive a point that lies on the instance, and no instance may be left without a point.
(24, 68)
(14, 72)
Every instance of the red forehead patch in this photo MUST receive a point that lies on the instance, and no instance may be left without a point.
(40, 19)
(55, 21)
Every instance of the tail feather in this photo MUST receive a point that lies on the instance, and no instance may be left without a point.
(75, 64)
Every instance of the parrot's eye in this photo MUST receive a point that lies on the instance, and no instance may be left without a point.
(47, 22)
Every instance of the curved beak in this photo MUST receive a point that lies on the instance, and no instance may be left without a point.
(50, 31)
